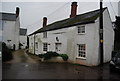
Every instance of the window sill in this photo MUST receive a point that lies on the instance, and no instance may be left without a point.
(81, 58)
(81, 33)
(44, 51)
(44, 37)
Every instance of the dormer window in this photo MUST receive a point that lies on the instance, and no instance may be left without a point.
(44, 34)
(81, 29)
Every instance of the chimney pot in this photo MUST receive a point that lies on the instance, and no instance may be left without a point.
(17, 11)
(44, 21)
(73, 9)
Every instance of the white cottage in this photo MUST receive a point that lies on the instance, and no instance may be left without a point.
(9, 29)
(119, 8)
(77, 36)
(23, 38)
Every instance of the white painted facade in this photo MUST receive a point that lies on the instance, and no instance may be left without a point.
(119, 8)
(10, 33)
(68, 39)
(23, 38)
(0, 30)
(23, 41)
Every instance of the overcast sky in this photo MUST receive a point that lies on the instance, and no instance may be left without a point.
(31, 13)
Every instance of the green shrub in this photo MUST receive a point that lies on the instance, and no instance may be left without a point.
(114, 52)
(41, 55)
(6, 53)
(64, 56)
(50, 54)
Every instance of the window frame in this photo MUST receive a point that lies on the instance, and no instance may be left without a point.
(45, 47)
(81, 50)
(81, 29)
(36, 45)
(32, 45)
(45, 34)
(58, 47)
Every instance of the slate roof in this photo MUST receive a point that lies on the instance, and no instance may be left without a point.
(85, 18)
(23, 31)
(7, 16)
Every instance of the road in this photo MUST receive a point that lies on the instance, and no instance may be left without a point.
(20, 56)
(25, 67)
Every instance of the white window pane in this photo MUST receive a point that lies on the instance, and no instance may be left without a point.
(44, 46)
(81, 50)
(81, 29)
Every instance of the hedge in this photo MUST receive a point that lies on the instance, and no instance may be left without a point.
(50, 54)
(6, 53)
(64, 56)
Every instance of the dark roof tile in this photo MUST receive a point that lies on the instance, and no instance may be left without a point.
(23, 32)
(85, 18)
(7, 16)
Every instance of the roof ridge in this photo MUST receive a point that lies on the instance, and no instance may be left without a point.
(77, 15)
(81, 18)
(7, 13)
(92, 11)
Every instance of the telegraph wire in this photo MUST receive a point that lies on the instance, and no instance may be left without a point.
(112, 8)
(28, 26)
(57, 9)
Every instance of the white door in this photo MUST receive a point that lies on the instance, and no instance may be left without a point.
(58, 47)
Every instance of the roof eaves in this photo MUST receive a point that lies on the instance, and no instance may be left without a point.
(7, 16)
(62, 27)
(70, 22)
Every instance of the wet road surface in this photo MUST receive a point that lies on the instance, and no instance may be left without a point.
(20, 56)
(55, 71)
(0, 69)
(38, 70)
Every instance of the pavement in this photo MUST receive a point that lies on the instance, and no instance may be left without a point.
(25, 67)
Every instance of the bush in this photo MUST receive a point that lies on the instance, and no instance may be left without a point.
(64, 56)
(6, 53)
(41, 55)
(50, 54)
(114, 52)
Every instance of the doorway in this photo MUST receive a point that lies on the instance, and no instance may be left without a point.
(58, 47)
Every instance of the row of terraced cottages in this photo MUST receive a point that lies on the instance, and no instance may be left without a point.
(77, 36)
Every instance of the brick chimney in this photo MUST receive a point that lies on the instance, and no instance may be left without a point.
(17, 11)
(44, 21)
(73, 9)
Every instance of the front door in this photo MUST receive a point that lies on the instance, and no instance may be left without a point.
(58, 47)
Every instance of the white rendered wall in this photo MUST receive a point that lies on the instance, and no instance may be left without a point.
(8, 32)
(17, 30)
(90, 38)
(23, 41)
(51, 40)
(0, 30)
(108, 36)
(69, 38)
(119, 8)
(31, 44)
(11, 32)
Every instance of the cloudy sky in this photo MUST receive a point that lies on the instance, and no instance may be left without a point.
(32, 12)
